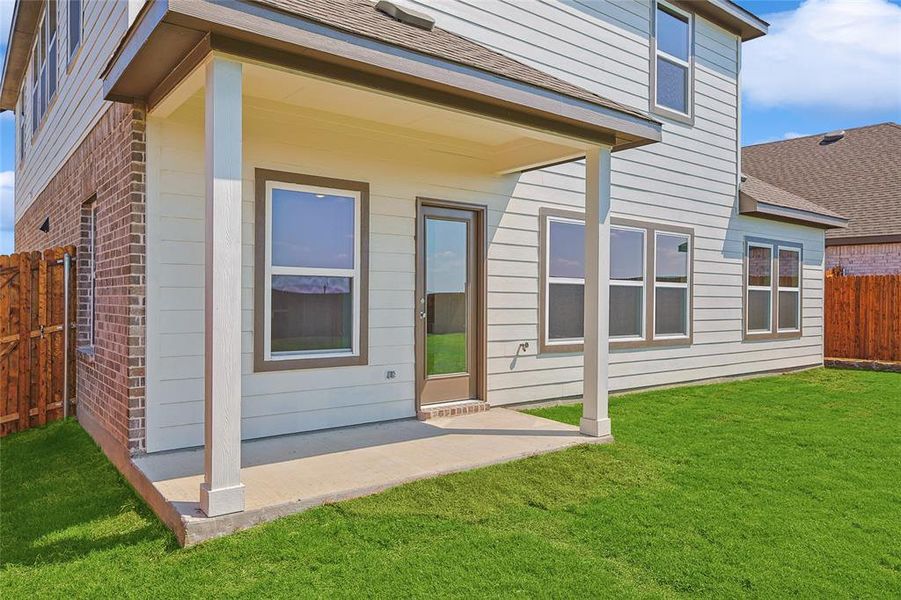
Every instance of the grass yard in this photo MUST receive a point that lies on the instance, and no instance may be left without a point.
(776, 487)
(445, 353)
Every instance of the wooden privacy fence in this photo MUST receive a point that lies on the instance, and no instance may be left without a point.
(863, 317)
(37, 366)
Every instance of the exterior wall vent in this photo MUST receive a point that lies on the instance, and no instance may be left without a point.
(832, 137)
(406, 15)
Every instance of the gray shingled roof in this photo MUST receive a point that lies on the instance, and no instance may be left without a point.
(858, 176)
(770, 194)
(360, 17)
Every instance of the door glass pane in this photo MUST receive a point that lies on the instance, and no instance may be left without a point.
(788, 310)
(672, 85)
(671, 311)
(565, 316)
(445, 278)
(567, 250)
(311, 314)
(758, 310)
(312, 230)
(625, 310)
(626, 254)
(789, 269)
(671, 260)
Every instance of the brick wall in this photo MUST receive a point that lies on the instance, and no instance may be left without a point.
(865, 259)
(105, 173)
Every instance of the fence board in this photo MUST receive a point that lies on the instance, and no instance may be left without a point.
(32, 332)
(863, 317)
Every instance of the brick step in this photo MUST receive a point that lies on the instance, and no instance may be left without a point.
(452, 409)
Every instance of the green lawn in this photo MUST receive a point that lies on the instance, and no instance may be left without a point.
(446, 353)
(779, 487)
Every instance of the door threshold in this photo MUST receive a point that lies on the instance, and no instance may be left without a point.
(452, 409)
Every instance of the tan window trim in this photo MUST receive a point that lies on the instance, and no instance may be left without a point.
(651, 230)
(773, 333)
(260, 363)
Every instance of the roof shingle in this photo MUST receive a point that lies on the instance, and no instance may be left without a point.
(858, 176)
(770, 194)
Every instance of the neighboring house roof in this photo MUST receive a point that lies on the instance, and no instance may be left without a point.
(360, 17)
(760, 199)
(858, 176)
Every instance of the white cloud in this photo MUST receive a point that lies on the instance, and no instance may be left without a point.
(828, 53)
(7, 211)
(790, 135)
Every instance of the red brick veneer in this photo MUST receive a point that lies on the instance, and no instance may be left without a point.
(866, 259)
(108, 167)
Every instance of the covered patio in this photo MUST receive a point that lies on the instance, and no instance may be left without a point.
(246, 73)
(287, 474)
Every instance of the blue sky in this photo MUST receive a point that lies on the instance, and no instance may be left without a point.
(826, 64)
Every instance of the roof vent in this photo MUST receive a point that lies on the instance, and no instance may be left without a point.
(832, 137)
(406, 15)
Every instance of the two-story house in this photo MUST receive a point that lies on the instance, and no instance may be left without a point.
(297, 215)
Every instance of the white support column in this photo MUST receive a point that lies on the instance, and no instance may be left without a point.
(222, 491)
(595, 421)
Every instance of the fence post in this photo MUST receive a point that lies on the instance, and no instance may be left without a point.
(66, 267)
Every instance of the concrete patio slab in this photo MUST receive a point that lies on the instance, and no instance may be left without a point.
(288, 474)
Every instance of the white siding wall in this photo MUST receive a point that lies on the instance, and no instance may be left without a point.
(78, 103)
(687, 180)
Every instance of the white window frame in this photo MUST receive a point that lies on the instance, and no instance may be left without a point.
(641, 284)
(689, 71)
(73, 50)
(672, 284)
(759, 288)
(557, 280)
(22, 125)
(354, 274)
(37, 69)
(780, 289)
(52, 42)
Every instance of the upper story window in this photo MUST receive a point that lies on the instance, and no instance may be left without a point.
(44, 65)
(772, 289)
(672, 61)
(650, 283)
(75, 25)
(21, 130)
(314, 286)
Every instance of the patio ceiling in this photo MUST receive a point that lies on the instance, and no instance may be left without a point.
(500, 146)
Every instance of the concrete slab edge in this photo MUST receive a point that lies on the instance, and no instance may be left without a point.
(143, 487)
(198, 530)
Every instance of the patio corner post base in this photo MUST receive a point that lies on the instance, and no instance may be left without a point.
(222, 501)
(595, 427)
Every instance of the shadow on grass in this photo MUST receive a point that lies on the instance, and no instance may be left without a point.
(61, 499)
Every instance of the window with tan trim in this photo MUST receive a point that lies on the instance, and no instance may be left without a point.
(772, 289)
(76, 24)
(650, 283)
(672, 58)
(312, 248)
(44, 65)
